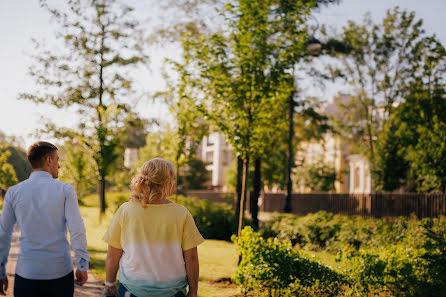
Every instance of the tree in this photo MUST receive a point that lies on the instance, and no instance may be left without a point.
(195, 176)
(101, 40)
(240, 77)
(159, 144)
(7, 173)
(77, 166)
(382, 62)
(318, 176)
(383, 65)
(17, 158)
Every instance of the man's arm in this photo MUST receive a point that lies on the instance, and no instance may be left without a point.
(77, 235)
(111, 269)
(192, 270)
(7, 221)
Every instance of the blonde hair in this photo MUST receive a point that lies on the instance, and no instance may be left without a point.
(155, 180)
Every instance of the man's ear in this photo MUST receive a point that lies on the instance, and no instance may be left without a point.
(48, 160)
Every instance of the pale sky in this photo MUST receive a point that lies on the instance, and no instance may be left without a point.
(21, 20)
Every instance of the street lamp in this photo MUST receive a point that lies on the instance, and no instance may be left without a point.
(313, 47)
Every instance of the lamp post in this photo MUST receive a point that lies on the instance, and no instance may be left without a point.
(313, 47)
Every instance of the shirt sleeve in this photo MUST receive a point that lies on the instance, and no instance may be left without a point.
(191, 235)
(76, 227)
(7, 222)
(113, 234)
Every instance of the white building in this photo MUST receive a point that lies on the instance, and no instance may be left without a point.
(217, 152)
(130, 156)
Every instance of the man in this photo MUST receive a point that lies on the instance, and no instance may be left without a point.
(43, 207)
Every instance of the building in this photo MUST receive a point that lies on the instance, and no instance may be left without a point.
(131, 155)
(217, 152)
(352, 170)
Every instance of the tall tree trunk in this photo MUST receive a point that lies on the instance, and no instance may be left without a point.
(243, 198)
(238, 190)
(254, 200)
(289, 185)
(102, 203)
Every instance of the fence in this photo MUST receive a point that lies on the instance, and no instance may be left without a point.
(376, 205)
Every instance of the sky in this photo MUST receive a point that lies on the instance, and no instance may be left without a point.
(22, 20)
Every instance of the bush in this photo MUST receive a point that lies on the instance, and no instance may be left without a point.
(271, 265)
(214, 220)
(401, 269)
(329, 232)
(312, 231)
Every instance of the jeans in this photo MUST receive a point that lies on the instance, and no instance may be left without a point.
(59, 287)
(122, 292)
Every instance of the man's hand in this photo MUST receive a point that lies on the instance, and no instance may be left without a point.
(81, 277)
(3, 286)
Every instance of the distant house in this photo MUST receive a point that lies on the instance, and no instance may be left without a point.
(353, 170)
(131, 156)
(217, 152)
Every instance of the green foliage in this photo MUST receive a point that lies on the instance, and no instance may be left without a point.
(17, 158)
(214, 220)
(319, 176)
(393, 66)
(391, 165)
(326, 231)
(158, 144)
(7, 174)
(403, 270)
(194, 176)
(134, 131)
(273, 266)
(401, 256)
(428, 157)
(77, 167)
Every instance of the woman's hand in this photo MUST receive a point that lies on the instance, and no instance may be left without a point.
(110, 291)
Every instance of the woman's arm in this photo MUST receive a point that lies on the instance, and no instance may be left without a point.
(192, 270)
(111, 269)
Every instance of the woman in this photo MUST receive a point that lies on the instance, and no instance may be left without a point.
(151, 240)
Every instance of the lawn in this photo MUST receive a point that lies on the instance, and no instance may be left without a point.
(218, 259)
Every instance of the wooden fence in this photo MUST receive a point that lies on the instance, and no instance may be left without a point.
(376, 205)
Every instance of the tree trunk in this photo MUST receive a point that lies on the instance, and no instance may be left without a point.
(254, 200)
(289, 185)
(243, 198)
(238, 189)
(102, 203)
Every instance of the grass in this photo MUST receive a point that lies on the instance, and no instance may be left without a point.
(218, 259)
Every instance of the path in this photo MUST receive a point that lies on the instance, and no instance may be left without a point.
(93, 287)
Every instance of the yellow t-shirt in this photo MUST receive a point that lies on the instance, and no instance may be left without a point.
(153, 238)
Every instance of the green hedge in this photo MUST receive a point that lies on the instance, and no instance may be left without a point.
(272, 266)
(402, 270)
(329, 232)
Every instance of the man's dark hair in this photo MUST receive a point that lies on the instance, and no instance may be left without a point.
(38, 152)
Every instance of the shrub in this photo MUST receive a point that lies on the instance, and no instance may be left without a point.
(312, 231)
(271, 265)
(402, 270)
(214, 220)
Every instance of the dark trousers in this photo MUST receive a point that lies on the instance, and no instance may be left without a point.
(59, 287)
